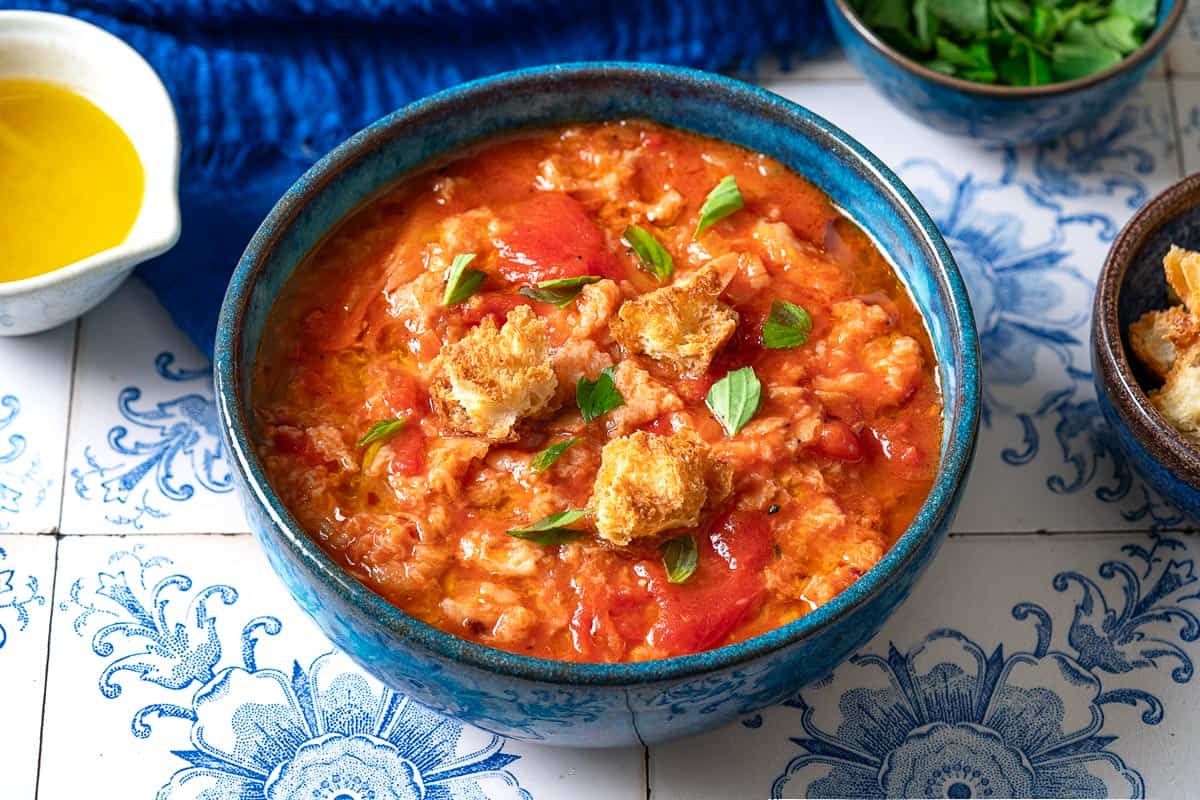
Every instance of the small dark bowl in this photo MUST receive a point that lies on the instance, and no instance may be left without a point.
(1132, 283)
(1005, 114)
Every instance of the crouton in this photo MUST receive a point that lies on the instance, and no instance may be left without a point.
(1179, 398)
(492, 379)
(683, 325)
(1152, 338)
(1183, 275)
(648, 484)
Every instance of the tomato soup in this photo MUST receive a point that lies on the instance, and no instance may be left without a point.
(608, 392)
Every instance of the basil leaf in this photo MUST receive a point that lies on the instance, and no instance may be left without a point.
(545, 459)
(560, 291)
(381, 431)
(1071, 61)
(552, 529)
(734, 399)
(375, 436)
(461, 282)
(723, 200)
(965, 16)
(1143, 12)
(598, 397)
(654, 257)
(681, 557)
(788, 325)
(1117, 31)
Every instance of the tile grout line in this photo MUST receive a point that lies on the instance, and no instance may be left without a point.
(62, 493)
(1176, 126)
(646, 771)
(37, 778)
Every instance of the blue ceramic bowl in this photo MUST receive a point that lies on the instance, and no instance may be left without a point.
(1132, 283)
(1003, 114)
(555, 701)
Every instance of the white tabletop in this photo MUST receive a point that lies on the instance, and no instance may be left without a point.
(129, 587)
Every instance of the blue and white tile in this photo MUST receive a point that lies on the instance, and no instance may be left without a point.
(145, 452)
(35, 387)
(1030, 228)
(1187, 107)
(26, 581)
(1183, 54)
(1021, 667)
(179, 668)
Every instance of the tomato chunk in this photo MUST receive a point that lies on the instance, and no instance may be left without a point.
(726, 589)
(553, 237)
(837, 440)
(408, 451)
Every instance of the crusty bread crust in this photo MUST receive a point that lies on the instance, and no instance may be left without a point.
(648, 484)
(683, 325)
(493, 378)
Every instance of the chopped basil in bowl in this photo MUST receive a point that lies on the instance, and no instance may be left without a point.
(1012, 71)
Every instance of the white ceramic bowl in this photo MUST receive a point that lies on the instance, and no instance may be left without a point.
(111, 74)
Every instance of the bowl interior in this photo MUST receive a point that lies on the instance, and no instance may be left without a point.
(380, 155)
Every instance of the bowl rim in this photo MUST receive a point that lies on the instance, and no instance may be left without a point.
(160, 181)
(1131, 401)
(1148, 50)
(958, 443)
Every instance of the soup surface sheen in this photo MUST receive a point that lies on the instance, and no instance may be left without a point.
(71, 181)
(785, 513)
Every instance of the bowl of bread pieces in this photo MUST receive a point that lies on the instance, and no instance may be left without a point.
(1146, 343)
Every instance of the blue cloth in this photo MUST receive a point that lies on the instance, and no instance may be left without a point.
(264, 87)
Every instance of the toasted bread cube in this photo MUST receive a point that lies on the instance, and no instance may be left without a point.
(492, 379)
(683, 325)
(1183, 275)
(648, 484)
(1179, 398)
(1150, 339)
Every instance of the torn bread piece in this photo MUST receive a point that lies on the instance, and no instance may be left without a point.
(493, 378)
(683, 325)
(648, 484)
(1179, 398)
(1153, 338)
(1183, 275)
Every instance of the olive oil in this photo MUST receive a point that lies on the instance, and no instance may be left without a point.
(71, 182)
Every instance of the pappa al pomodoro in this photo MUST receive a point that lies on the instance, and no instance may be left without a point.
(607, 392)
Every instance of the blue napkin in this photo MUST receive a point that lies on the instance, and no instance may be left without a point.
(264, 87)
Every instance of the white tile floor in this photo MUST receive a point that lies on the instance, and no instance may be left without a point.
(111, 441)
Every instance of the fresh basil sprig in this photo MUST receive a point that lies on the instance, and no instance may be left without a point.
(1012, 42)
(734, 399)
(545, 459)
(788, 325)
(723, 200)
(681, 558)
(461, 282)
(596, 398)
(559, 291)
(376, 435)
(653, 256)
(553, 528)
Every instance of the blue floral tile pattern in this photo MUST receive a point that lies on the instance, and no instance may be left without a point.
(23, 486)
(145, 451)
(315, 730)
(19, 592)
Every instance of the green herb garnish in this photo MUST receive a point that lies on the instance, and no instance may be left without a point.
(545, 459)
(788, 325)
(1012, 42)
(723, 200)
(596, 398)
(654, 257)
(461, 282)
(375, 436)
(734, 399)
(680, 557)
(559, 291)
(552, 529)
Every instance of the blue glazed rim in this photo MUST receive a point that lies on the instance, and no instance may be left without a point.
(1148, 50)
(958, 441)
